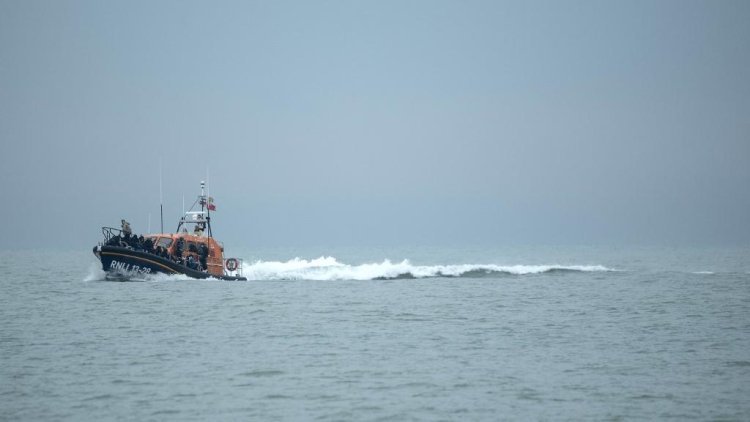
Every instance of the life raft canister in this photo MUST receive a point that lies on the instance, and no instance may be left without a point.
(231, 264)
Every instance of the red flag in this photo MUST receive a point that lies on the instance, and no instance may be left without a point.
(209, 204)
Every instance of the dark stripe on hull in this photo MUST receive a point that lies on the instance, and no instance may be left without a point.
(123, 263)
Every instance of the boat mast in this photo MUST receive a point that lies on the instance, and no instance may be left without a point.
(201, 219)
(161, 201)
(203, 195)
(208, 206)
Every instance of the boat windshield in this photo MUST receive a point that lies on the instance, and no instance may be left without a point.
(164, 242)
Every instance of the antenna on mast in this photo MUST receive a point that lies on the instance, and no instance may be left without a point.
(161, 202)
(208, 202)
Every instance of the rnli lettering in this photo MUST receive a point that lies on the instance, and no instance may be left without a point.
(124, 267)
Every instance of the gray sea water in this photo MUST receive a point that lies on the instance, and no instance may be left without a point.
(559, 333)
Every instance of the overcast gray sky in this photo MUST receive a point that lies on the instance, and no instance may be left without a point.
(382, 122)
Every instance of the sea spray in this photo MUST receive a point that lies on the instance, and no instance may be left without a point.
(95, 272)
(328, 268)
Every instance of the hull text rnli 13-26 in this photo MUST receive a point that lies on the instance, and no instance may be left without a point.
(191, 251)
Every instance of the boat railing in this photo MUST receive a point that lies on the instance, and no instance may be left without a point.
(239, 268)
(109, 233)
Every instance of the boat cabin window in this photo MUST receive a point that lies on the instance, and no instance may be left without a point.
(193, 247)
(164, 242)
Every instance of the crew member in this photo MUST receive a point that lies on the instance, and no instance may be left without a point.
(126, 228)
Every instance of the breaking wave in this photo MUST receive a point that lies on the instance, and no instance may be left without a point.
(328, 268)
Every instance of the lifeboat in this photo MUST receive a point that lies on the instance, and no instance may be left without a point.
(191, 250)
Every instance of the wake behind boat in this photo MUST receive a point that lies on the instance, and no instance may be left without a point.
(196, 254)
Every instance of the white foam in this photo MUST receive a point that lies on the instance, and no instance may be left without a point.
(95, 272)
(328, 268)
(158, 277)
